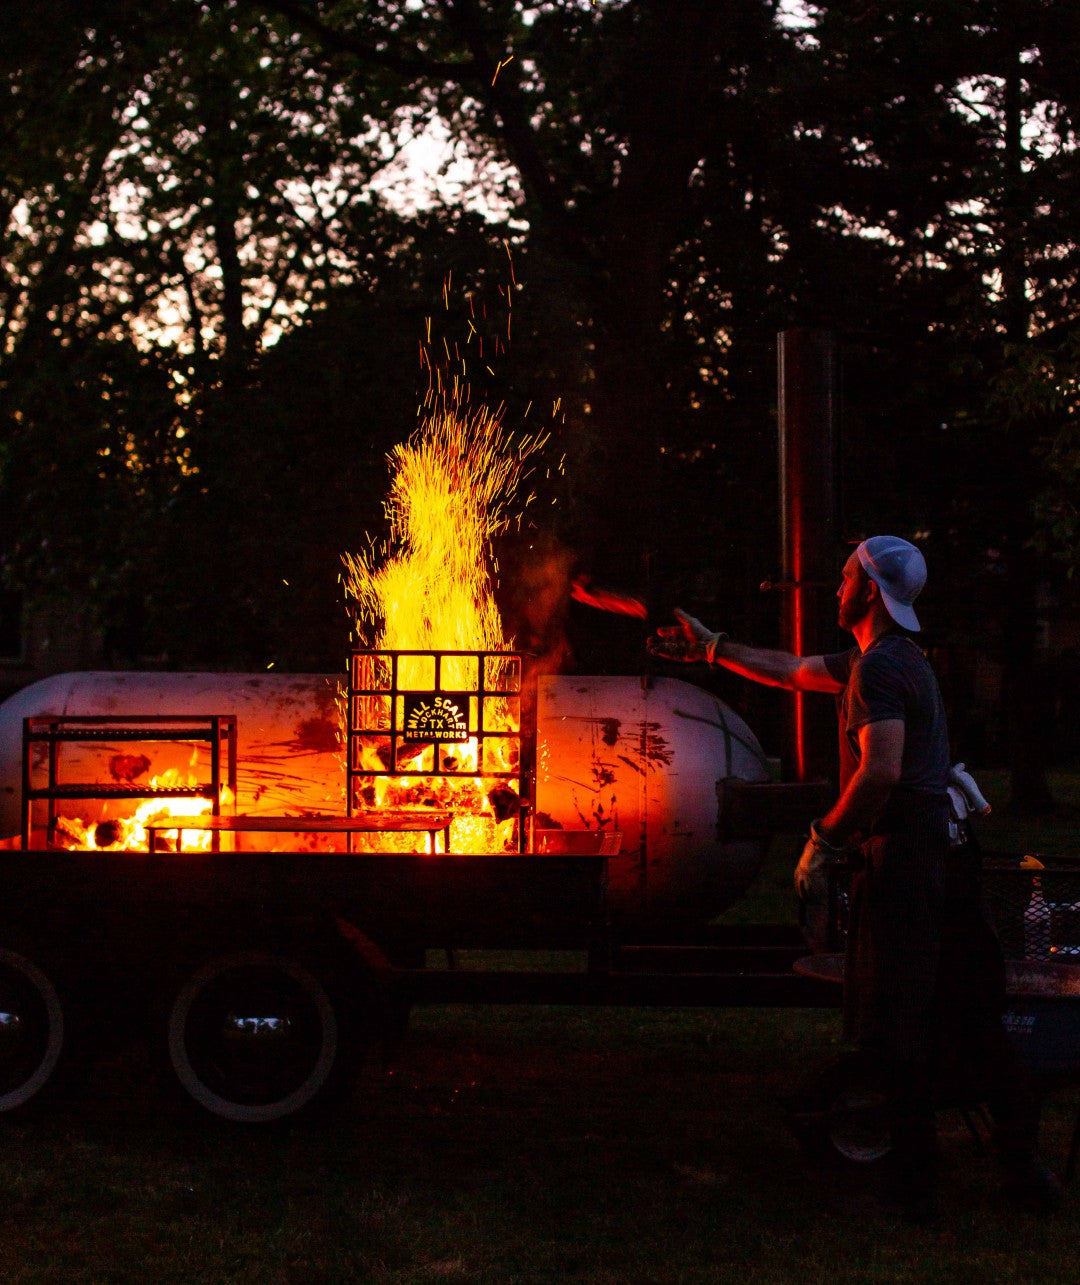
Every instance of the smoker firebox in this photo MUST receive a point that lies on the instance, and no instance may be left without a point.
(443, 729)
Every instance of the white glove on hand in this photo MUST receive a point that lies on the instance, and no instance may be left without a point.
(689, 640)
(810, 879)
(810, 882)
(974, 799)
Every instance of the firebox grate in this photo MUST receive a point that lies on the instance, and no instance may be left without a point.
(429, 719)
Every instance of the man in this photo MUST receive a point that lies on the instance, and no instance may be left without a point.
(923, 977)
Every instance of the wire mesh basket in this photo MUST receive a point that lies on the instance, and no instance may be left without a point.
(1036, 910)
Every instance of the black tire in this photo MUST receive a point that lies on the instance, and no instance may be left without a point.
(260, 1036)
(33, 1031)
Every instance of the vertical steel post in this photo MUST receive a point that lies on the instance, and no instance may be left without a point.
(807, 402)
(27, 779)
(215, 777)
(54, 773)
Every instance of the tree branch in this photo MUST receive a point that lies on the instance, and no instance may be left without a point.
(344, 42)
(500, 93)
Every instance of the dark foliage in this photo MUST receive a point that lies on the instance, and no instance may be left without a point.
(210, 319)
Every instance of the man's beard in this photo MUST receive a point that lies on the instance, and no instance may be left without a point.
(852, 611)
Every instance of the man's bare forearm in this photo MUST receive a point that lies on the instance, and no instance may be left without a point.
(866, 794)
(762, 664)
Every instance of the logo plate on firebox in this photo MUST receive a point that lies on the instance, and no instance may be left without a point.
(437, 716)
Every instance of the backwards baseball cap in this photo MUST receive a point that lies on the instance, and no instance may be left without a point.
(899, 571)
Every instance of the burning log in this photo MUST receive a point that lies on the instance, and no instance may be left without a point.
(505, 803)
(582, 589)
(107, 834)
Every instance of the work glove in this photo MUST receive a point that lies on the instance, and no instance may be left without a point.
(960, 779)
(689, 640)
(810, 879)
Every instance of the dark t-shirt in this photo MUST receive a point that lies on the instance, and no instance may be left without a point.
(893, 679)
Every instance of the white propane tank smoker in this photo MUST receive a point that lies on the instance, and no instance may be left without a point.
(640, 757)
(289, 755)
(644, 758)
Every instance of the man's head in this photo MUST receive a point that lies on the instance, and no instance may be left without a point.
(899, 571)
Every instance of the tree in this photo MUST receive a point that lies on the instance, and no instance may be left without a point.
(604, 113)
(179, 185)
(998, 263)
(189, 198)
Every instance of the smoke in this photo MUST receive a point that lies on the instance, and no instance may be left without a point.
(537, 584)
(534, 597)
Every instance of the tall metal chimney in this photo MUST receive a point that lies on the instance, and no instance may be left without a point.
(809, 535)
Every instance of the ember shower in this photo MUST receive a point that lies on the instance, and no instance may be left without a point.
(455, 486)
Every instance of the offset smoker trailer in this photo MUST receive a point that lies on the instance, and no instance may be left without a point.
(269, 973)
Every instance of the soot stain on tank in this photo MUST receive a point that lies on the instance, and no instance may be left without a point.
(655, 748)
(603, 774)
(598, 816)
(610, 728)
(315, 736)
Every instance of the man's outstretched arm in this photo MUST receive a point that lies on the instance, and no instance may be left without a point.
(776, 668)
(690, 640)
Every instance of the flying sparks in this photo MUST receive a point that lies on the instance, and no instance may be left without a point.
(455, 486)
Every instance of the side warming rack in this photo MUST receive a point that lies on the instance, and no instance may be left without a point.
(44, 736)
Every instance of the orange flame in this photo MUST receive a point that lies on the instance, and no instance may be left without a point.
(128, 834)
(431, 588)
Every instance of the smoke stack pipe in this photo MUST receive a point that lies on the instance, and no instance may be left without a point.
(807, 417)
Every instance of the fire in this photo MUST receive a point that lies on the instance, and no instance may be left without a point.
(456, 485)
(128, 834)
(447, 502)
(448, 775)
(431, 589)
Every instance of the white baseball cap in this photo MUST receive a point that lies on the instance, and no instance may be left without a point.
(899, 571)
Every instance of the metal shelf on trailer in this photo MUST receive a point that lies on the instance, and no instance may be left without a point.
(214, 730)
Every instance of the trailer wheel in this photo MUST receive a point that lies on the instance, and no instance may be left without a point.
(257, 1036)
(31, 1030)
(859, 1126)
(844, 1117)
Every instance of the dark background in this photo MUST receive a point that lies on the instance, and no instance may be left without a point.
(203, 369)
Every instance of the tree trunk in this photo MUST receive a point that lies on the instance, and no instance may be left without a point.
(1024, 684)
(634, 245)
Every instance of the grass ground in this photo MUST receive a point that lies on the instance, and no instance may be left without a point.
(1056, 833)
(508, 1145)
